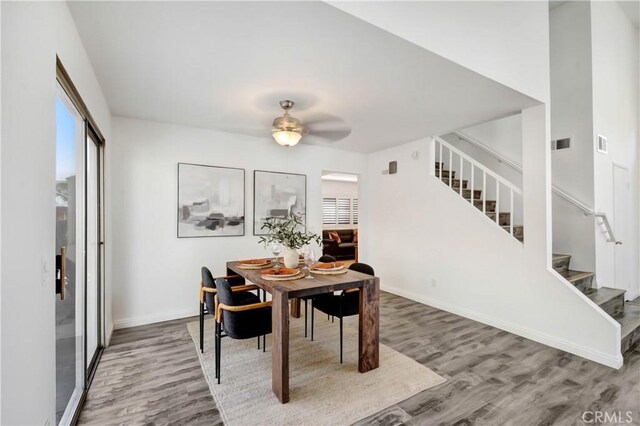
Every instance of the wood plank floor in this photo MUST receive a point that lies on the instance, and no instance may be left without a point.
(151, 375)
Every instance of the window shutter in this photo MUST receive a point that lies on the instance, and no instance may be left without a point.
(344, 211)
(355, 211)
(329, 211)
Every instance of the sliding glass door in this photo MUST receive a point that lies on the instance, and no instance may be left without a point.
(69, 256)
(94, 252)
(79, 257)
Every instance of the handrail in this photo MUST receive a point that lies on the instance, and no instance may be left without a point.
(588, 211)
(479, 165)
(610, 237)
(493, 153)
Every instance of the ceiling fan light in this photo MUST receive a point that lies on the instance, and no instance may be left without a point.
(286, 137)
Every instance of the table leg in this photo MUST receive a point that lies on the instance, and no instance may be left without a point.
(280, 347)
(295, 308)
(369, 327)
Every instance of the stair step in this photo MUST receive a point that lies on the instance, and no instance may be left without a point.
(445, 173)
(438, 165)
(490, 205)
(581, 279)
(477, 193)
(629, 319)
(504, 220)
(518, 231)
(455, 183)
(561, 262)
(611, 300)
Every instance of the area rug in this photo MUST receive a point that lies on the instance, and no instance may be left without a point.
(322, 391)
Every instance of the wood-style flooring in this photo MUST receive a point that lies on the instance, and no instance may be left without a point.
(151, 375)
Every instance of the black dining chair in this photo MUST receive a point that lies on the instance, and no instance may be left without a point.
(237, 320)
(346, 304)
(323, 259)
(208, 291)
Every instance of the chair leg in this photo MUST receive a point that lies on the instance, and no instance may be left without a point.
(312, 315)
(258, 342)
(201, 327)
(264, 343)
(216, 351)
(340, 330)
(305, 318)
(340, 339)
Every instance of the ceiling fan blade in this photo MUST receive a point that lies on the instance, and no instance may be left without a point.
(326, 135)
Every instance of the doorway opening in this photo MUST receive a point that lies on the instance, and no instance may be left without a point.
(340, 215)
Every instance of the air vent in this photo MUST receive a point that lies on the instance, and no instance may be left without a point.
(559, 144)
(602, 144)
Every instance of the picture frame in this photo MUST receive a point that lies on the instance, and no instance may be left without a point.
(211, 201)
(278, 195)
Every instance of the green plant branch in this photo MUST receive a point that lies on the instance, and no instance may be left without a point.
(286, 232)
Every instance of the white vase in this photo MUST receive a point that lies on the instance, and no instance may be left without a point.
(290, 257)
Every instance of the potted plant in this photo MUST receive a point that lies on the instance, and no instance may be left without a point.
(287, 232)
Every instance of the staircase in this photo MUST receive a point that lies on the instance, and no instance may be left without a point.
(610, 300)
(488, 206)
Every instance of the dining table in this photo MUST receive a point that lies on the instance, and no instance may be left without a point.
(286, 296)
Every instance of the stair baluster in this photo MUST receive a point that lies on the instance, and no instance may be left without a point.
(490, 208)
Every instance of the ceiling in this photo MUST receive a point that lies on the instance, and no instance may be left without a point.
(225, 66)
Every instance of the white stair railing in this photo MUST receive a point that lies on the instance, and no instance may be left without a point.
(588, 211)
(507, 195)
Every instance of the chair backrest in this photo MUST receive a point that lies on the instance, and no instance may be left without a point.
(207, 281)
(233, 325)
(326, 259)
(362, 267)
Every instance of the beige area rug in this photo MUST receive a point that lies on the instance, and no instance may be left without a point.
(322, 391)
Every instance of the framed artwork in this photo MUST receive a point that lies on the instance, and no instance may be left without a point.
(278, 195)
(210, 201)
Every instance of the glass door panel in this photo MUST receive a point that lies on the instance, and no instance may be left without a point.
(93, 251)
(69, 257)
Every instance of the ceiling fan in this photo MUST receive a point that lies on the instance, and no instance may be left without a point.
(288, 130)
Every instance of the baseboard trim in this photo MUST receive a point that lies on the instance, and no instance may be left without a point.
(584, 352)
(151, 319)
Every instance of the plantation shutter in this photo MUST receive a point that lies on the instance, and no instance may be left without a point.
(344, 211)
(329, 211)
(355, 211)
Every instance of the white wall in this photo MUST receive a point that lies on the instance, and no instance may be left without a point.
(572, 116)
(615, 115)
(156, 275)
(332, 188)
(505, 41)
(442, 252)
(32, 34)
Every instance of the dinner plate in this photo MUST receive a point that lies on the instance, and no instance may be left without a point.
(281, 273)
(337, 268)
(254, 262)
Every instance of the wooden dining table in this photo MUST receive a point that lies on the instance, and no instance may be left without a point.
(284, 293)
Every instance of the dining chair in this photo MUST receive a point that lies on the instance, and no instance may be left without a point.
(237, 320)
(346, 304)
(207, 300)
(323, 259)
